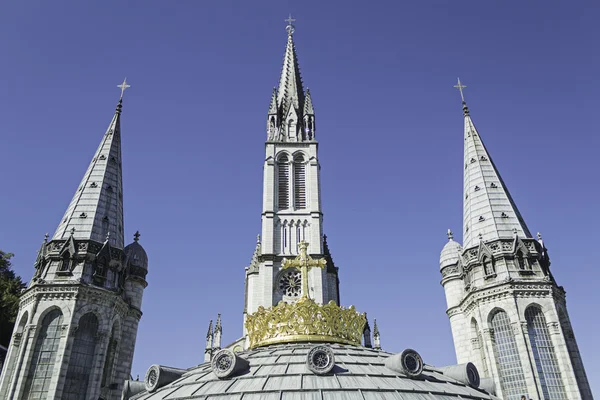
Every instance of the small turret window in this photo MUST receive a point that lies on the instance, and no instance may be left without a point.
(283, 183)
(488, 267)
(299, 183)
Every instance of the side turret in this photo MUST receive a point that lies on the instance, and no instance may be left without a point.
(136, 261)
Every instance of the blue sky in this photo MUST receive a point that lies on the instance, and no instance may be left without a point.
(389, 125)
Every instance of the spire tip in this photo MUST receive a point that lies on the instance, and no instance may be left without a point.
(290, 28)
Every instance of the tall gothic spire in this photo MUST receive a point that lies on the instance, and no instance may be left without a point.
(489, 211)
(290, 91)
(96, 209)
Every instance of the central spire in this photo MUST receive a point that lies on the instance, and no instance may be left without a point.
(290, 91)
(291, 115)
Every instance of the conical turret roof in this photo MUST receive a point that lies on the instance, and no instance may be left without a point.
(489, 211)
(96, 209)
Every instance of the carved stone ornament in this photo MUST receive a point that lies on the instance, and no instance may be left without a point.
(305, 321)
(82, 247)
(554, 327)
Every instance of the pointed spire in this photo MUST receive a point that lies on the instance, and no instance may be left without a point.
(209, 343)
(273, 103)
(489, 210)
(290, 92)
(254, 263)
(376, 336)
(40, 260)
(367, 334)
(97, 206)
(218, 334)
(308, 106)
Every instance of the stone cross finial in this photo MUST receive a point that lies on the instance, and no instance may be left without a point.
(123, 86)
(450, 235)
(480, 236)
(515, 231)
(460, 87)
(72, 231)
(539, 236)
(136, 236)
(304, 262)
(107, 236)
(290, 28)
(46, 238)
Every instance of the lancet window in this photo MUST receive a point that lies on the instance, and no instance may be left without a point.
(299, 182)
(65, 262)
(544, 355)
(43, 361)
(82, 358)
(283, 183)
(510, 369)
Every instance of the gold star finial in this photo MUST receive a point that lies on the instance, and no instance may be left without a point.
(123, 86)
(460, 87)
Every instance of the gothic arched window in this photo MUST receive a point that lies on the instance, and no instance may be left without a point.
(479, 347)
(65, 262)
(521, 260)
(508, 359)
(43, 360)
(299, 182)
(488, 266)
(82, 358)
(283, 183)
(544, 355)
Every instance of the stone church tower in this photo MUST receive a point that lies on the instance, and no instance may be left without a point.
(291, 209)
(507, 313)
(78, 318)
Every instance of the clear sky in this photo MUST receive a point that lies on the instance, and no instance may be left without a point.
(390, 129)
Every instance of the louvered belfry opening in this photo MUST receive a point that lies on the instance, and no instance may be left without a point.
(299, 182)
(283, 183)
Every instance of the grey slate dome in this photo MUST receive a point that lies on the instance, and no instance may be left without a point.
(135, 253)
(282, 372)
(450, 254)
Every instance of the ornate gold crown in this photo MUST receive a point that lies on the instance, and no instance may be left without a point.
(305, 321)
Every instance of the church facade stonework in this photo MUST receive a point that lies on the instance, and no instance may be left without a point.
(78, 318)
(507, 313)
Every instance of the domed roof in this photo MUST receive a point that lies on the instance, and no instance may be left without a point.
(282, 372)
(450, 254)
(135, 253)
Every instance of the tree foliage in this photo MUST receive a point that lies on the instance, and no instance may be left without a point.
(11, 286)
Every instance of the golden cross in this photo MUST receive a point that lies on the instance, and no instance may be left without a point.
(305, 263)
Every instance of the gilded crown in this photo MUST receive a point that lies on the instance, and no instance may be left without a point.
(305, 321)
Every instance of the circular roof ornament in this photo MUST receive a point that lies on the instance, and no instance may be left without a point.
(222, 363)
(158, 376)
(226, 364)
(151, 379)
(320, 360)
(473, 378)
(412, 363)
